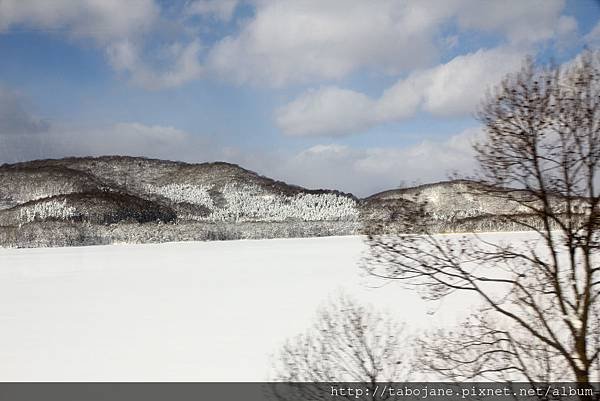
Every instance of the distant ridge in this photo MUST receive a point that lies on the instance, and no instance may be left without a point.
(107, 199)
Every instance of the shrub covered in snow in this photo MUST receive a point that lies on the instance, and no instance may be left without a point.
(50, 209)
(252, 203)
(245, 204)
(183, 193)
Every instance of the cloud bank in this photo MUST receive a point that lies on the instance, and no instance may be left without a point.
(119, 28)
(361, 171)
(318, 56)
(451, 89)
(283, 42)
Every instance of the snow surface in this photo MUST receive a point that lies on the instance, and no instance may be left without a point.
(195, 311)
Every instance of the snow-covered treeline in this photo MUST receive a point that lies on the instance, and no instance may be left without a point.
(50, 209)
(459, 201)
(35, 192)
(245, 204)
(183, 193)
(251, 203)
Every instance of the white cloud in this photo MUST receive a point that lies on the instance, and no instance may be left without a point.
(118, 27)
(101, 20)
(15, 117)
(367, 171)
(567, 25)
(182, 60)
(457, 87)
(360, 171)
(284, 41)
(124, 138)
(24, 136)
(332, 110)
(135, 139)
(403, 99)
(290, 41)
(593, 37)
(450, 89)
(220, 9)
(302, 40)
(520, 21)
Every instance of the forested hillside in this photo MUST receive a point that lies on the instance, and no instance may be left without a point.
(85, 201)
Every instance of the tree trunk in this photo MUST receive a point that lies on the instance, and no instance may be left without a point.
(584, 386)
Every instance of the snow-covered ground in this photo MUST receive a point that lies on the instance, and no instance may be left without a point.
(209, 311)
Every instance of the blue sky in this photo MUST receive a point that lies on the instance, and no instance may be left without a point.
(356, 95)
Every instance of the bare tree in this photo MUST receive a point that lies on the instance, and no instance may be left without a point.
(347, 343)
(540, 297)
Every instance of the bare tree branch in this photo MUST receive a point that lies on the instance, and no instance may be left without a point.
(540, 298)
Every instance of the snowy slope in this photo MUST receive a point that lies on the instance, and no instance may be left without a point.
(111, 199)
(208, 311)
(72, 201)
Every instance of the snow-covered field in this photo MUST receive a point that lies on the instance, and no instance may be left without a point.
(209, 311)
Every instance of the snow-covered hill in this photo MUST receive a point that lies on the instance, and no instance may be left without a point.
(461, 206)
(83, 201)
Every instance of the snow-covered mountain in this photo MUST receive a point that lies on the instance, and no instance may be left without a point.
(99, 190)
(78, 201)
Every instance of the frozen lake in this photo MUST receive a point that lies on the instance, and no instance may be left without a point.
(195, 311)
